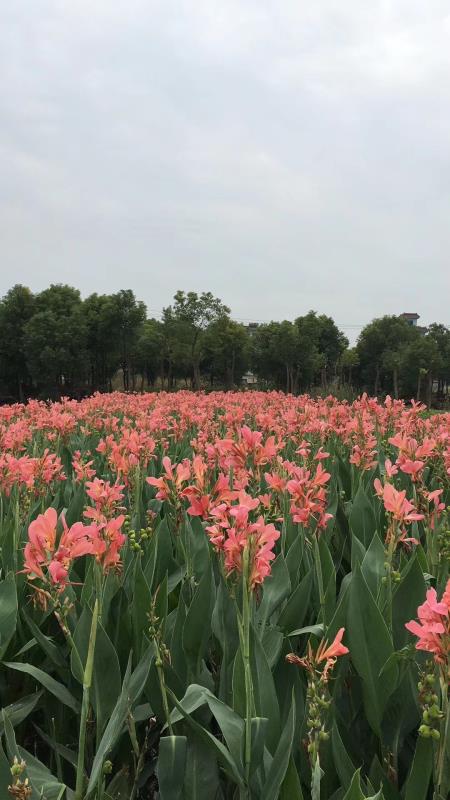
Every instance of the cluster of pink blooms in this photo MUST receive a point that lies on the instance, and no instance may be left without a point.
(48, 558)
(433, 628)
(34, 474)
(233, 531)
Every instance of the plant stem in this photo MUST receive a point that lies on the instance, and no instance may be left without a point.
(247, 664)
(443, 743)
(162, 686)
(87, 682)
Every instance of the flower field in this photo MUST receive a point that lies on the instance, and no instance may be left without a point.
(224, 596)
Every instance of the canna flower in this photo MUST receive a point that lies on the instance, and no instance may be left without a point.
(433, 628)
(328, 654)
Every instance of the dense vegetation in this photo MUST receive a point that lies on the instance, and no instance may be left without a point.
(215, 597)
(54, 343)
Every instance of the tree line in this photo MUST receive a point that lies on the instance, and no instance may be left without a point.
(54, 342)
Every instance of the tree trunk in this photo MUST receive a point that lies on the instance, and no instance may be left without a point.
(196, 376)
(429, 388)
(377, 381)
(395, 380)
(419, 386)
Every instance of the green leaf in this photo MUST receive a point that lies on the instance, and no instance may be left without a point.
(171, 766)
(354, 791)
(104, 693)
(298, 605)
(421, 769)
(221, 752)
(112, 731)
(258, 738)
(8, 616)
(276, 588)
(372, 566)
(132, 687)
(47, 645)
(315, 780)
(18, 711)
(342, 761)
(141, 605)
(362, 517)
(314, 630)
(408, 595)
(291, 788)
(49, 683)
(370, 647)
(75, 510)
(280, 761)
(230, 723)
(197, 626)
(201, 780)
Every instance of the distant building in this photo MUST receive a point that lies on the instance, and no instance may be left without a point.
(252, 327)
(411, 318)
(249, 379)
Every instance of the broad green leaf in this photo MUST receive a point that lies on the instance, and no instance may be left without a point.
(280, 761)
(343, 763)
(291, 788)
(197, 626)
(171, 766)
(370, 647)
(314, 630)
(8, 616)
(258, 739)
(408, 595)
(421, 769)
(230, 723)
(362, 517)
(372, 566)
(141, 605)
(18, 711)
(298, 605)
(276, 588)
(49, 683)
(48, 646)
(201, 779)
(222, 753)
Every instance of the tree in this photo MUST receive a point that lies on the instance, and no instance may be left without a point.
(149, 350)
(324, 343)
(191, 314)
(55, 338)
(129, 316)
(16, 309)
(440, 334)
(101, 339)
(421, 359)
(348, 362)
(226, 348)
(379, 347)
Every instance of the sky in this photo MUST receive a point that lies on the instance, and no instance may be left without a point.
(285, 156)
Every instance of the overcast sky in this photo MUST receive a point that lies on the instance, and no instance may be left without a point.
(284, 155)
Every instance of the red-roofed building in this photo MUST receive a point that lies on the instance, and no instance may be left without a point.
(410, 318)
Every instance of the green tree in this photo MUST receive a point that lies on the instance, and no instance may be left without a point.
(323, 344)
(226, 349)
(189, 316)
(16, 309)
(348, 362)
(379, 347)
(421, 360)
(149, 351)
(102, 343)
(129, 315)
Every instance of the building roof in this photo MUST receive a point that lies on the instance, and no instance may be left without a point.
(410, 315)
